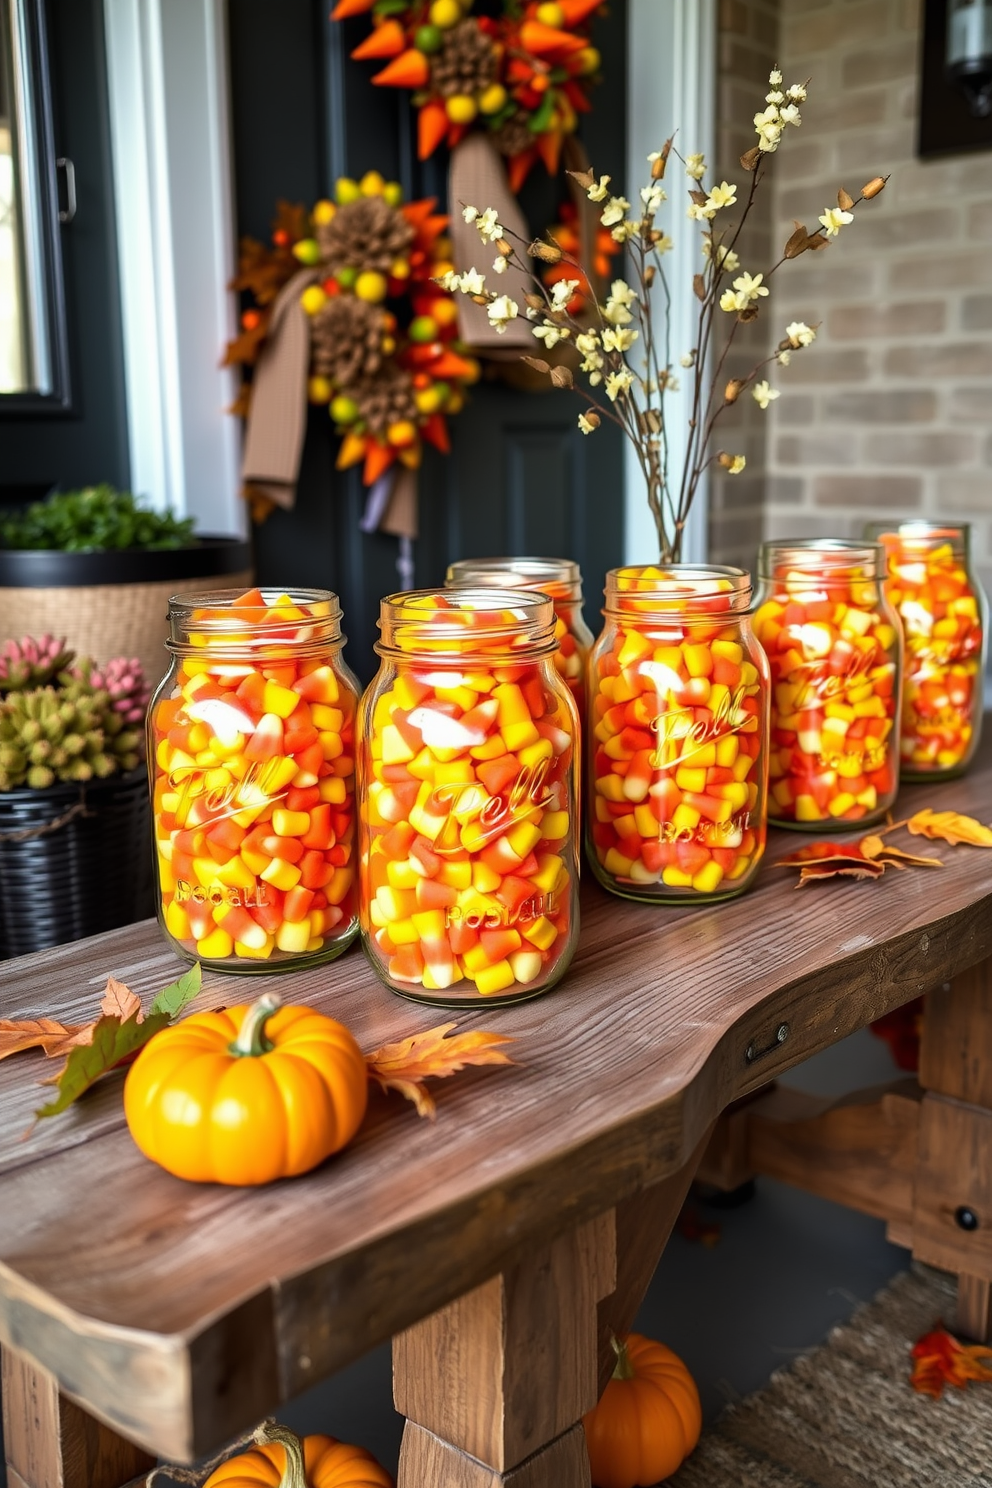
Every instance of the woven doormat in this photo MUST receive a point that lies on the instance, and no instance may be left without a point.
(845, 1416)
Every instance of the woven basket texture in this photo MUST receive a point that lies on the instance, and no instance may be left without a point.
(105, 620)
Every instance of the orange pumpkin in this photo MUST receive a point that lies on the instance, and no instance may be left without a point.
(280, 1463)
(247, 1094)
(648, 1418)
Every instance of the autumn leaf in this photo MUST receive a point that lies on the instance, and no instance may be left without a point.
(54, 1039)
(867, 858)
(173, 999)
(939, 1359)
(880, 851)
(812, 872)
(950, 826)
(113, 1040)
(120, 1002)
(432, 1055)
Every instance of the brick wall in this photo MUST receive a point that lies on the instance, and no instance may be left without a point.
(890, 412)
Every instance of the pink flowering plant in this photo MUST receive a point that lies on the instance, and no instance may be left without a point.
(624, 351)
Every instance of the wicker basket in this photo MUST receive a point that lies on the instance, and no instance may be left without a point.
(74, 860)
(113, 604)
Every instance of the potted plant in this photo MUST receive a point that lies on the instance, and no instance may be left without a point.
(99, 565)
(74, 830)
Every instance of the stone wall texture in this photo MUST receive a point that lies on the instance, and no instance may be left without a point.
(890, 412)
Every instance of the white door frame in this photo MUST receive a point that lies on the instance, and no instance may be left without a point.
(170, 140)
(671, 85)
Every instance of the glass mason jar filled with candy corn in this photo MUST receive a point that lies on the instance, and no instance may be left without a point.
(559, 578)
(944, 617)
(252, 757)
(467, 799)
(677, 725)
(834, 646)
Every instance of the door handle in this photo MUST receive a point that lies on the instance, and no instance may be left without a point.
(68, 212)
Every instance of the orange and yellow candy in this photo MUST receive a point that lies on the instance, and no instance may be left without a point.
(834, 648)
(678, 711)
(467, 805)
(942, 616)
(252, 739)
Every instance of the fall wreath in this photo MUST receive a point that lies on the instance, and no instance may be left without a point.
(522, 74)
(384, 356)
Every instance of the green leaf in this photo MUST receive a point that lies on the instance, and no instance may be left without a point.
(539, 122)
(113, 1041)
(174, 998)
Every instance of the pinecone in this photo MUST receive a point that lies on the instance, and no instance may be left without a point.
(346, 340)
(365, 234)
(513, 137)
(385, 399)
(466, 62)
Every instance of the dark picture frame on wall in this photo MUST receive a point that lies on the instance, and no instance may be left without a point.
(948, 124)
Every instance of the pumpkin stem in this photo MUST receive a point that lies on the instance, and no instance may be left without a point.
(295, 1474)
(623, 1370)
(251, 1041)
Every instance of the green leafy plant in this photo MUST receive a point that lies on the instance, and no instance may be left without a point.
(95, 519)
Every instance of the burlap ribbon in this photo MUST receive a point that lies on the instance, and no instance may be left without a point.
(277, 418)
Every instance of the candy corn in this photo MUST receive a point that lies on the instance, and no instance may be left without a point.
(834, 647)
(252, 739)
(468, 865)
(942, 613)
(560, 579)
(678, 713)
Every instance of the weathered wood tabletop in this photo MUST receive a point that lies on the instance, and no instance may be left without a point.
(180, 1314)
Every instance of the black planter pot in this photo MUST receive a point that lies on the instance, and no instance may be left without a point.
(114, 603)
(74, 860)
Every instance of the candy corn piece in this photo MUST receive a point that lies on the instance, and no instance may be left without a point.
(677, 777)
(254, 794)
(941, 613)
(468, 866)
(833, 649)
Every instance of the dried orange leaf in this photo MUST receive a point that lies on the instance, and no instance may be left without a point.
(823, 852)
(813, 872)
(119, 1001)
(939, 1360)
(894, 857)
(950, 826)
(54, 1039)
(405, 1065)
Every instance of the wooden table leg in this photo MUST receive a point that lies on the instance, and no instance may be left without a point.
(52, 1443)
(495, 1385)
(952, 1218)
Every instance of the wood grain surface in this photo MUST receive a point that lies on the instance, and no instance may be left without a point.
(180, 1313)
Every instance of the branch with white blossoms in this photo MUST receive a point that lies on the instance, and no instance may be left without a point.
(622, 349)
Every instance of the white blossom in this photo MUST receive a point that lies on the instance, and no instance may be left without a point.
(701, 211)
(597, 192)
(619, 338)
(689, 360)
(797, 93)
(665, 244)
(470, 213)
(587, 342)
(725, 258)
(595, 378)
(471, 282)
(721, 196)
(763, 394)
(617, 383)
(791, 115)
(652, 197)
(594, 362)
(551, 334)
(562, 291)
(749, 289)
(800, 334)
(728, 300)
(501, 312)
(488, 226)
(736, 465)
(784, 358)
(625, 231)
(695, 167)
(776, 96)
(614, 210)
(499, 265)
(621, 293)
(449, 281)
(585, 425)
(775, 77)
(834, 219)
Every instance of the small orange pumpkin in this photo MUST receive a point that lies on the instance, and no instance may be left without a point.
(648, 1418)
(247, 1094)
(283, 1461)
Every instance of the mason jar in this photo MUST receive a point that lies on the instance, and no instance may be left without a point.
(251, 748)
(676, 735)
(467, 799)
(944, 616)
(834, 645)
(559, 578)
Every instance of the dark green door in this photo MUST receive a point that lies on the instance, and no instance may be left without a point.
(520, 478)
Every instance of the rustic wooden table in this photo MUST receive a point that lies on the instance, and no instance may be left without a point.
(499, 1246)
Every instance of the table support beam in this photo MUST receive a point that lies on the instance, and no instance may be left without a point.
(51, 1443)
(494, 1386)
